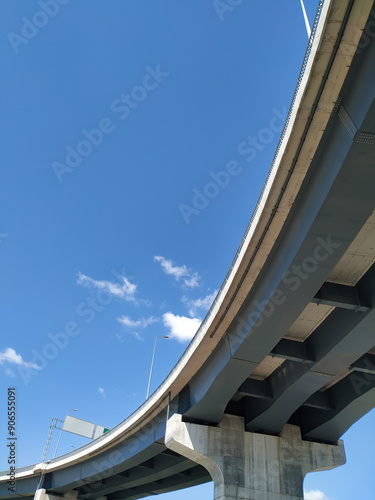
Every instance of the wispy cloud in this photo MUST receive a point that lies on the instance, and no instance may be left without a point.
(315, 495)
(119, 337)
(10, 373)
(137, 335)
(189, 278)
(138, 323)
(124, 290)
(181, 327)
(9, 355)
(202, 303)
(101, 391)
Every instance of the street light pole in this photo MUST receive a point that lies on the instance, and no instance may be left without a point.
(307, 24)
(152, 361)
(58, 442)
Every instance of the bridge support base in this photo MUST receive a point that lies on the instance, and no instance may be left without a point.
(251, 466)
(41, 494)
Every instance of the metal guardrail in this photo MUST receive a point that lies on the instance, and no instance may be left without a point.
(236, 257)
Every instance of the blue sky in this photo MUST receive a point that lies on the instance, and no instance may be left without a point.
(127, 184)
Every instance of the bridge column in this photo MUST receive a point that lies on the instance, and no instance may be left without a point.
(41, 494)
(251, 466)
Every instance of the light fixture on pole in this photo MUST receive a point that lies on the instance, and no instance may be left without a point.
(152, 361)
(58, 442)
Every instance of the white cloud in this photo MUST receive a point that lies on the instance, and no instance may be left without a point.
(169, 268)
(315, 495)
(124, 290)
(101, 391)
(10, 373)
(137, 335)
(9, 355)
(139, 323)
(181, 327)
(202, 303)
(190, 279)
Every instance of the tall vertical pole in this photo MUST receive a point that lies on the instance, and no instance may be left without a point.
(152, 361)
(308, 29)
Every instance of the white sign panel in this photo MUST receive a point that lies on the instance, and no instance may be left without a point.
(78, 426)
(99, 431)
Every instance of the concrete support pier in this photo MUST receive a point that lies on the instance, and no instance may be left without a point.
(41, 494)
(250, 466)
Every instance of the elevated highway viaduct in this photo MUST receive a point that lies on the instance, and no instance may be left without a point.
(284, 362)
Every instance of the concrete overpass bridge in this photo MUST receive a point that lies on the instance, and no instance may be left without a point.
(284, 362)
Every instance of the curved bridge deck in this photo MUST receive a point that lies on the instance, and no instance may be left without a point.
(290, 338)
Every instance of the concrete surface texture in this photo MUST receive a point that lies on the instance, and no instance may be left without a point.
(252, 466)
